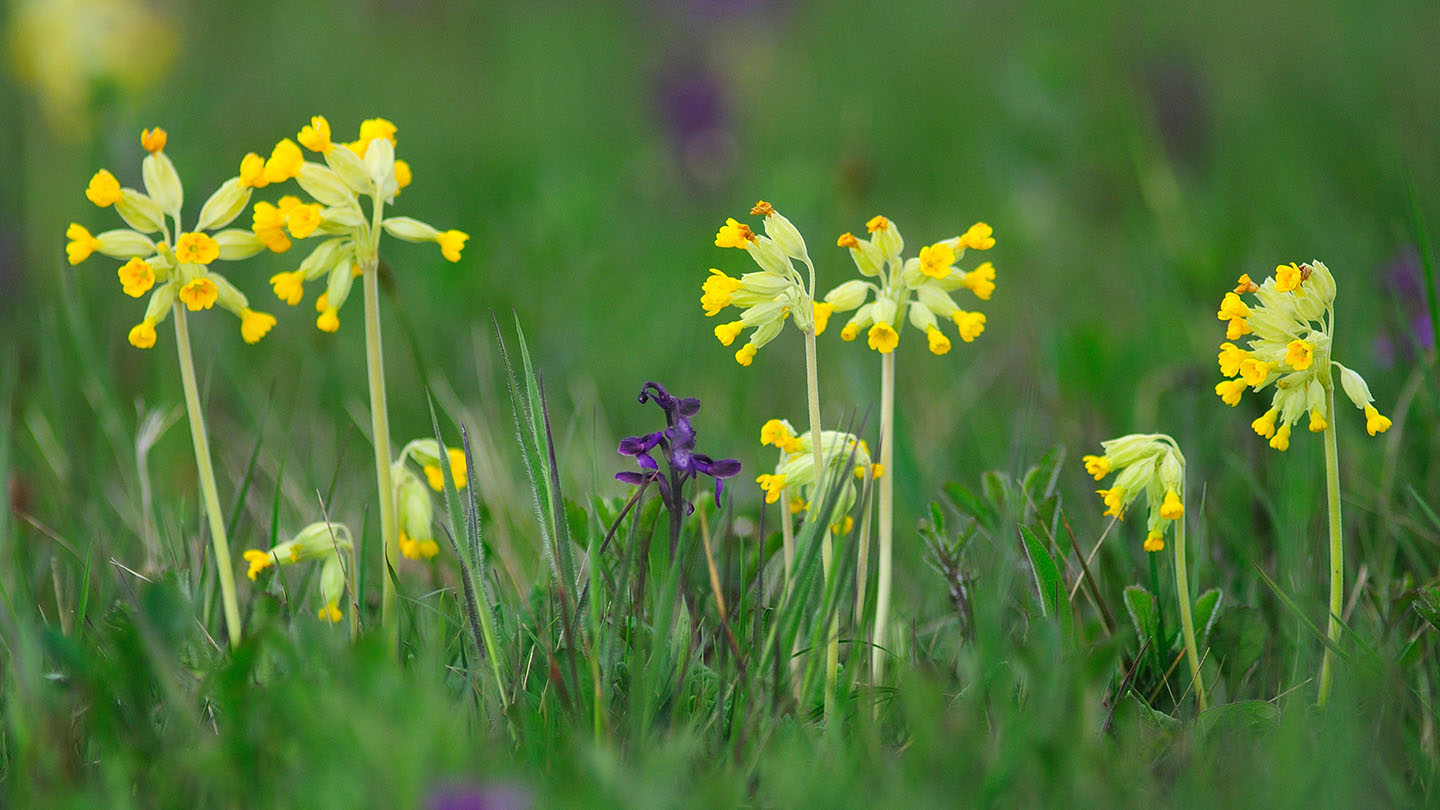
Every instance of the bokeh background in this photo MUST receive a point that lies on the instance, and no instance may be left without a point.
(1133, 159)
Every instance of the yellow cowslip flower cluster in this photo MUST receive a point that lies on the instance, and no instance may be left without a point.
(795, 471)
(765, 298)
(319, 541)
(918, 288)
(364, 168)
(160, 254)
(1289, 347)
(1146, 462)
(416, 511)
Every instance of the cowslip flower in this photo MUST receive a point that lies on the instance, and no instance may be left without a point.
(173, 264)
(338, 213)
(320, 542)
(1152, 465)
(847, 463)
(1287, 337)
(348, 190)
(161, 257)
(768, 297)
(1143, 464)
(1289, 334)
(413, 500)
(676, 443)
(917, 289)
(802, 483)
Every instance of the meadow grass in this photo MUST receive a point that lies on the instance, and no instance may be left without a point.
(556, 645)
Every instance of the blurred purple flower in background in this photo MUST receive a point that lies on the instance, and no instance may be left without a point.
(1404, 277)
(462, 796)
(690, 101)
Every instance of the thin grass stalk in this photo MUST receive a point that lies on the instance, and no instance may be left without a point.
(218, 538)
(887, 513)
(787, 537)
(1337, 548)
(1187, 622)
(832, 641)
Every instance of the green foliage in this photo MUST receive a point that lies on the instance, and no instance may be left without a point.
(1036, 664)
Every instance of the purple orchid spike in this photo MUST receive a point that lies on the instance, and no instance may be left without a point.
(677, 442)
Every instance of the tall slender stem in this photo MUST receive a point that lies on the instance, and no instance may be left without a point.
(223, 564)
(1187, 622)
(1337, 545)
(380, 430)
(827, 548)
(887, 512)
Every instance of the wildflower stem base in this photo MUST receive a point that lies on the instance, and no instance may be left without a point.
(206, 471)
(887, 511)
(1187, 621)
(1337, 548)
(827, 549)
(380, 432)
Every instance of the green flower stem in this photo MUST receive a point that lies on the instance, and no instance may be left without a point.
(1187, 621)
(380, 430)
(1337, 545)
(887, 512)
(223, 564)
(827, 548)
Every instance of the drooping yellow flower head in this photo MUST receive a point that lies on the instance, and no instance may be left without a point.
(323, 542)
(795, 473)
(436, 478)
(1145, 464)
(893, 289)
(348, 190)
(1288, 345)
(778, 292)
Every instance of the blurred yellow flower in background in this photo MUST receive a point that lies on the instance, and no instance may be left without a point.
(68, 50)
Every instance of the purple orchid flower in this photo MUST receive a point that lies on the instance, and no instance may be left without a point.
(677, 443)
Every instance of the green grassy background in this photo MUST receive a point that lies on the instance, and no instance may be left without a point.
(1133, 161)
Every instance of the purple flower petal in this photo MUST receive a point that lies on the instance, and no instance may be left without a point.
(724, 468)
(635, 445)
